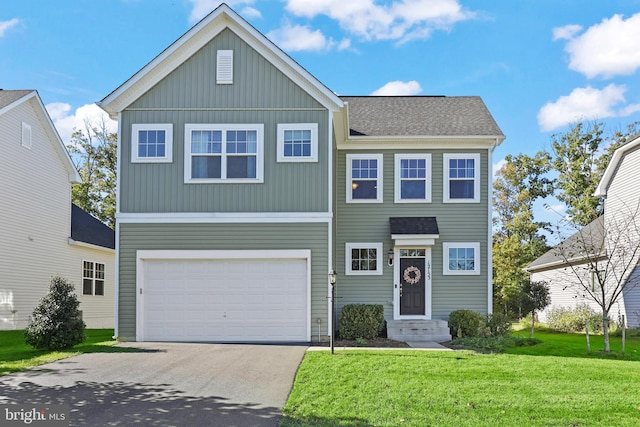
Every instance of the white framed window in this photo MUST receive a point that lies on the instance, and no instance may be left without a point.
(92, 278)
(152, 143)
(364, 178)
(412, 183)
(224, 67)
(461, 178)
(297, 142)
(461, 258)
(224, 153)
(26, 135)
(363, 259)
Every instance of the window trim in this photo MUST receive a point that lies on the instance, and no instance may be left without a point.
(282, 127)
(168, 149)
(398, 157)
(445, 179)
(26, 136)
(93, 279)
(347, 259)
(445, 258)
(258, 127)
(379, 193)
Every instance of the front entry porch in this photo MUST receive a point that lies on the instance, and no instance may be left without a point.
(418, 330)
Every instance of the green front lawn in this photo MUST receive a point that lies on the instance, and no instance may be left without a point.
(16, 356)
(555, 383)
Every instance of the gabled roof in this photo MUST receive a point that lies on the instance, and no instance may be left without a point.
(87, 229)
(414, 225)
(612, 167)
(10, 99)
(198, 36)
(590, 235)
(425, 116)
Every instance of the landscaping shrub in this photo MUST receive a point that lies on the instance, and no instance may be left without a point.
(498, 324)
(567, 319)
(466, 323)
(497, 344)
(56, 322)
(363, 321)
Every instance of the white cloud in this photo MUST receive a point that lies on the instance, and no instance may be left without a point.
(398, 88)
(559, 208)
(67, 121)
(294, 38)
(202, 8)
(5, 25)
(497, 166)
(585, 104)
(251, 12)
(607, 49)
(566, 32)
(401, 20)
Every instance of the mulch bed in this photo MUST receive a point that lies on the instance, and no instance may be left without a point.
(375, 342)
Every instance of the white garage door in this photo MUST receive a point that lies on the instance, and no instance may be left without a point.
(228, 300)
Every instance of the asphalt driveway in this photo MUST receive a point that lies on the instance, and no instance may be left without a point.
(165, 384)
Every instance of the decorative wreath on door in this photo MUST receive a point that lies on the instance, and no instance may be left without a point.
(412, 280)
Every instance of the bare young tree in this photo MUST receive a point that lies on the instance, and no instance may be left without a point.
(600, 260)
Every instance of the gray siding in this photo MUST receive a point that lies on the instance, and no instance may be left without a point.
(260, 94)
(369, 222)
(135, 237)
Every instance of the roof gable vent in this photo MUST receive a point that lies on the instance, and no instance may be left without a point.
(224, 71)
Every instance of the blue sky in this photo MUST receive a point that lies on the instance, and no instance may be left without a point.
(539, 65)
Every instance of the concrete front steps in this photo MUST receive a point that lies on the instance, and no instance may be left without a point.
(418, 330)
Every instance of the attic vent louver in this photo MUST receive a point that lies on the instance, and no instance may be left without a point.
(224, 72)
(26, 135)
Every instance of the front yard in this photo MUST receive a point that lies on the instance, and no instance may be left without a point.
(552, 384)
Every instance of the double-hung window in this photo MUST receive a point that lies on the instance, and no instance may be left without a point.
(223, 153)
(92, 278)
(461, 258)
(363, 258)
(461, 178)
(412, 178)
(297, 142)
(151, 143)
(364, 178)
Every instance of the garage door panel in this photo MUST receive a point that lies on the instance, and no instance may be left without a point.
(232, 300)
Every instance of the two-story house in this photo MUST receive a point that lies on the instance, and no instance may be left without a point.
(570, 269)
(244, 181)
(43, 233)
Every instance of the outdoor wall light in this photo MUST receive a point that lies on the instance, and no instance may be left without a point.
(332, 277)
(390, 257)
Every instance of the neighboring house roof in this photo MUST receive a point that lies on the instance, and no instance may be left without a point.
(87, 229)
(420, 116)
(414, 225)
(197, 37)
(591, 235)
(612, 167)
(10, 99)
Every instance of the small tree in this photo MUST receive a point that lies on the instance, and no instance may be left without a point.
(535, 297)
(56, 322)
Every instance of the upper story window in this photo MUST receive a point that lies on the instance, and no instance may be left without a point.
(364, 178)
(26, 135)
(92, 278)
(297, 142)
(461, 178)
(461, 258)
(412, 178)
(363, 258)
(152, 143)
(223, 153)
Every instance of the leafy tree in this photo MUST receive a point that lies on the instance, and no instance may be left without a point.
(516, 240)
(56, 322)
(95, 150)
(535, 297)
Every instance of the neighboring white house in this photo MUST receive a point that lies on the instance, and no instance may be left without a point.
(41, 236)
(612, 236)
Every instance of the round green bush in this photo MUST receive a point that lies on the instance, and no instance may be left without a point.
(466, 323)
(56, 322)
(361, 321)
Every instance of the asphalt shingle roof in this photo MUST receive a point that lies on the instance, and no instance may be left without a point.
(420, 116)
(414, 225)
(9, 96)
(87, 229)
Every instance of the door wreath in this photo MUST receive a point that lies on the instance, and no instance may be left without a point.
(412, 280)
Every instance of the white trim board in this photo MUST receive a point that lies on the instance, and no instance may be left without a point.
(224, 218)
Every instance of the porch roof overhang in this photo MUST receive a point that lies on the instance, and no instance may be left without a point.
(414, 231)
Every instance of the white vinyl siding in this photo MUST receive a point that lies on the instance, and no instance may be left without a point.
(461, 179)
(297, 142)
(461, 258)
(364, 178)
(152, 143)
(412, 178)
(363, 259)
(224, 70)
